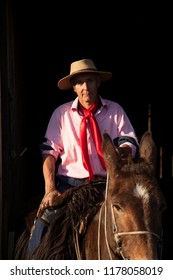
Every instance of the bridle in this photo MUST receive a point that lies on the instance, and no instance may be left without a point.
(115, 232)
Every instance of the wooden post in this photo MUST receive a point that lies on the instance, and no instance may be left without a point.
(149, 117)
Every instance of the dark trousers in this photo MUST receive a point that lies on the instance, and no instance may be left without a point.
(40, 227)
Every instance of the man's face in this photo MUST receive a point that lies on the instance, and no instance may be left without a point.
(86, 87)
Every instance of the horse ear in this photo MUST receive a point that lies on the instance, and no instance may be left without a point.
(111, 156)
(147, 149)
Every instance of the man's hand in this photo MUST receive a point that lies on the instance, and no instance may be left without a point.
(124, 151)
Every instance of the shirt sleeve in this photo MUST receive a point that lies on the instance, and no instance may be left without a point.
(53, 143)
(126, 132)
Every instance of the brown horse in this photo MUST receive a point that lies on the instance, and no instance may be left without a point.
(116, 218)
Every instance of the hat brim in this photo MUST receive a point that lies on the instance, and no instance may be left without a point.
(65, 83)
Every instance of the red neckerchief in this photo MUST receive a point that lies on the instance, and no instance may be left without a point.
(89, 115)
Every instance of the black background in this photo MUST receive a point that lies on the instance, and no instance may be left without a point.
(133, 41)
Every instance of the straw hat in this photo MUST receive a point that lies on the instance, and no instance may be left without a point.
(82, 66)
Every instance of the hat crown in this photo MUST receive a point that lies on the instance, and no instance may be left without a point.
(83, 64)
(81, 67)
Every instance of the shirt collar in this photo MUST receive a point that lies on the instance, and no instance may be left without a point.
(74, 105)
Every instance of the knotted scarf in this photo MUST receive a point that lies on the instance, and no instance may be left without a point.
(89, 117)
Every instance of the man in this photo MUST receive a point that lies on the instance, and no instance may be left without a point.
(74, 136)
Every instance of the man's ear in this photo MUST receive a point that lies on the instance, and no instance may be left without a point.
(74, 88)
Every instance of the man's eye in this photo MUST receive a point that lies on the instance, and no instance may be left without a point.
(77, 83)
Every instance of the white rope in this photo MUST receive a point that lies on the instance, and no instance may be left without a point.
(106, 238)
(138, 232)
(99, 229)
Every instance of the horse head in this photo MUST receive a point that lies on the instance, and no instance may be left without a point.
(134, 201)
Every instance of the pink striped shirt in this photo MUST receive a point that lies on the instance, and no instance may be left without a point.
(63, 134)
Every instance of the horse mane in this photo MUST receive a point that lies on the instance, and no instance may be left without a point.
(137, 167)
(75, 211)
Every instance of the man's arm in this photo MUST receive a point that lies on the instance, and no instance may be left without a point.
(49, 178)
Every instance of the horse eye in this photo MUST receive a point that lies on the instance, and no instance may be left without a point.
(118, 208)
